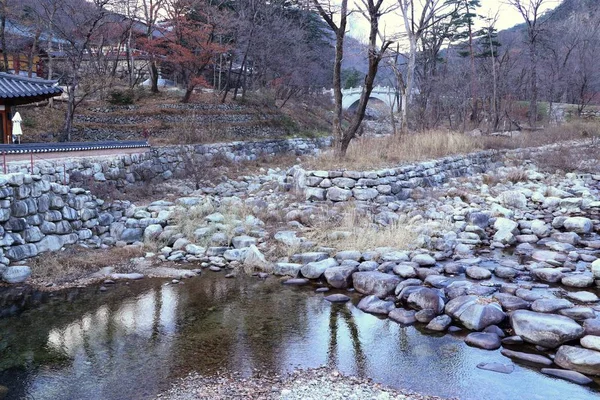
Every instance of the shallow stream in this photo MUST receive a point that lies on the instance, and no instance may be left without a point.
(134, 340)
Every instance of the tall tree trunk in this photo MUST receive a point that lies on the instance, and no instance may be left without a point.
(153, 76)
(32, 54)
(410, 77)
(69, 114)
(227, 86)
(3, 37)
(533, 105)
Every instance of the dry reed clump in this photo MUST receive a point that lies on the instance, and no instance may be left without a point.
(234, 214)
(76, 262)
(517, 175)
(365, 153)
(356, 231)
(369, 153)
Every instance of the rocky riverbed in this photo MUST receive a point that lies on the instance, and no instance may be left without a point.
(512, 256)
(312, 384)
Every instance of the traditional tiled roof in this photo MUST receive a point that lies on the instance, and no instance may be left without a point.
(21, 87)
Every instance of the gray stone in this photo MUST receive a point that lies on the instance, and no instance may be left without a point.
(16, 274)
(479, 273)
(424, 260)
(314, 270)
(304, 258)
(483, 340)
(551, 275)
(572, 376)
(22, 252)
(372, 304)
(49, 243)
(152, 232)
(592, 326)
(403, 316)
(254, 258)
(131, 235)
(497, 367)
(404, 271)
(348, 255)
(582, 297)
(340, 277)
(591, 342)
(289, 269)
(239, 242)
(337, 298)
(365, 194)
(527, 357)
(288, 238)
(336, 194)
(578, 224)
(578, 359)
(426, 299)
(375, 283)
(548, 330)
(578, 280)
(475, 313)
(439, 323)
(578, 313)
(550, 305)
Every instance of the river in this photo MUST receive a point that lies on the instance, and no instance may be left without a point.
(134, 340)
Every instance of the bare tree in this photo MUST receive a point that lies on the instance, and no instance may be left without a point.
(151, 12)
(428, 13)
(372, 10)
(531, 11)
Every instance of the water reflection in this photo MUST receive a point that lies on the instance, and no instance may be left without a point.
(132, 341)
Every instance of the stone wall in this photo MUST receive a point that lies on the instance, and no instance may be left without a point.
(389, 184)
(37, 216)
(160, 163)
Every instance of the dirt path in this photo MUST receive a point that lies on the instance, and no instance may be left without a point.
(64, 155)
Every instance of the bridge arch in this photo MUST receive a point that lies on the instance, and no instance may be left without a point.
(384, 94)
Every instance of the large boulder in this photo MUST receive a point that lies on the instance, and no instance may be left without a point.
(596, 269)
(283, 268)
(426, 299)
(551, 275)
(548, 330)
(372, 304)
(314, 270)
(483, 340)
(374, 282)
(340, 277)
(578, 359)
(475, 313)
(16, 274)
(578, 224)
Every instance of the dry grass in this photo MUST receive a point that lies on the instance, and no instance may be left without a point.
(76, 262)
(352, 230)
(365, 153)
(369, 153)
(517, 175)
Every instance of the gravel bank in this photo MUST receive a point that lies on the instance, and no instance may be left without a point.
(313, 384)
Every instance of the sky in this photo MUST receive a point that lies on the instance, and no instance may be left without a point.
(508, 16)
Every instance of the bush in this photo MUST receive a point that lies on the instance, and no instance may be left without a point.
(121, 97)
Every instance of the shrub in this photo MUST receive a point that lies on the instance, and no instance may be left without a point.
(121, 97)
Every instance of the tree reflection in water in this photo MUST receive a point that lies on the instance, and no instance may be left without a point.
(335, 312)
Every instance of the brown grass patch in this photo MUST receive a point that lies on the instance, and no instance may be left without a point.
(370, 153)
(353, 230)
(76, 262)
(365, 153)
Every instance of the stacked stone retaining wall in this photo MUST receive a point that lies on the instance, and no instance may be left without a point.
(159, 163)
(389, 184)
(37, 216)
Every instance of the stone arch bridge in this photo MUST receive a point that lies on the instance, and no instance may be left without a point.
(350, 97)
